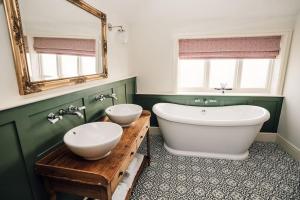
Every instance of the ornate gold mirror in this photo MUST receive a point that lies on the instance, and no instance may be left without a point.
(56, 43)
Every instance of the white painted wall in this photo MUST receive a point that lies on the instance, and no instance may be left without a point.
(289, 126)
(152, 28)
(152, 44)
(118, 62)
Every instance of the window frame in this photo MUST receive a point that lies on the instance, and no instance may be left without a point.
(59, 66)
(275, 83)
(236, 81)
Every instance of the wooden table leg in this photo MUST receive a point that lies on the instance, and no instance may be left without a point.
(51, 192)
(53, 196)
(148, 147)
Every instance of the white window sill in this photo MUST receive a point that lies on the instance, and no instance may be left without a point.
(228, 93)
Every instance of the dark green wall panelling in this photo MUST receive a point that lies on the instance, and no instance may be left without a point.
(272, 104)
(96, 109)
(13, 182)
(120, 92)
(26, 134)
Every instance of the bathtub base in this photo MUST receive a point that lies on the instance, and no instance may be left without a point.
(241, 156)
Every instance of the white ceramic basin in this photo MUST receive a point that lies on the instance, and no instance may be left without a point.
(93, 141)
(124, 114)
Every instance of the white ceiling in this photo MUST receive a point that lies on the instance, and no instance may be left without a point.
(172, 10)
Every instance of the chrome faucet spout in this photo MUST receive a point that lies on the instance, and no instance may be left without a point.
(79, 114)
(114, 96)
(72, 110)
(102, 97)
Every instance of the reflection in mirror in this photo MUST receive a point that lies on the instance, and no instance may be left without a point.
(60, 43)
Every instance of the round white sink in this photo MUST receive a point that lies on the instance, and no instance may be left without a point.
(93, 141)
(124, 114)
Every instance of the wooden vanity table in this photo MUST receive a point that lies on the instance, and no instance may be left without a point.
(63, 171)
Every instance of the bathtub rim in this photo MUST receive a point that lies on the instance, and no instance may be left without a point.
(245, 122)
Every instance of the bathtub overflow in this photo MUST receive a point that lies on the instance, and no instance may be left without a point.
(203, 110)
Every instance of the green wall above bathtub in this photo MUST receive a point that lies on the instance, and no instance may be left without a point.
(272, 104)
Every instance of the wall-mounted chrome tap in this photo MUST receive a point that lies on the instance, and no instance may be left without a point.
(72, 110)
(102, 97)
(53, 118)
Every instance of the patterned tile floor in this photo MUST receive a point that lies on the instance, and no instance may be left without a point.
(268, 173)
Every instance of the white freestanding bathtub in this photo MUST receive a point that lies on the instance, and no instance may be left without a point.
(215, 132)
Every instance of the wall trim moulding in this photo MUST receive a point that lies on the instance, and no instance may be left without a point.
(288, 147)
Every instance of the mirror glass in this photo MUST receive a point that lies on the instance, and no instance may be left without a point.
(61, 40)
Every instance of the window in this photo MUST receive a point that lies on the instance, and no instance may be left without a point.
(238, 74)
(88, 65)
(191, 73)
(49, 66)
(55, 66)
(221, 71)
(243, 64)
(255, 73)
(69, 66)
(64, 57)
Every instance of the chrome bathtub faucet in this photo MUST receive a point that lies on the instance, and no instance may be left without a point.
(205, 101)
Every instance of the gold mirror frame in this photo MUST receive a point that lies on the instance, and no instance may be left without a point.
(14, 22)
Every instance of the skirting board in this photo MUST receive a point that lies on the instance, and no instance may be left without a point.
(288, 147)
(261, 137)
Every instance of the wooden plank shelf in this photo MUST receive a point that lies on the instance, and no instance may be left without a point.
(63, 171)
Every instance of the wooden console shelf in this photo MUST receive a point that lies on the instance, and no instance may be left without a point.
(63, 171)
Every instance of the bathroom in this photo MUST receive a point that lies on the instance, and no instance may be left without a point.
(214, 83)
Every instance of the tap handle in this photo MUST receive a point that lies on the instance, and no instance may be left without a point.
(61, 112)
(72, 108)
(51, 116)
(100, 97)
(53, 121)
(54, 118)
(75, 108)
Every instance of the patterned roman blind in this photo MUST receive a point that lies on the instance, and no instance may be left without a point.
(237, 47)
(65, 46)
